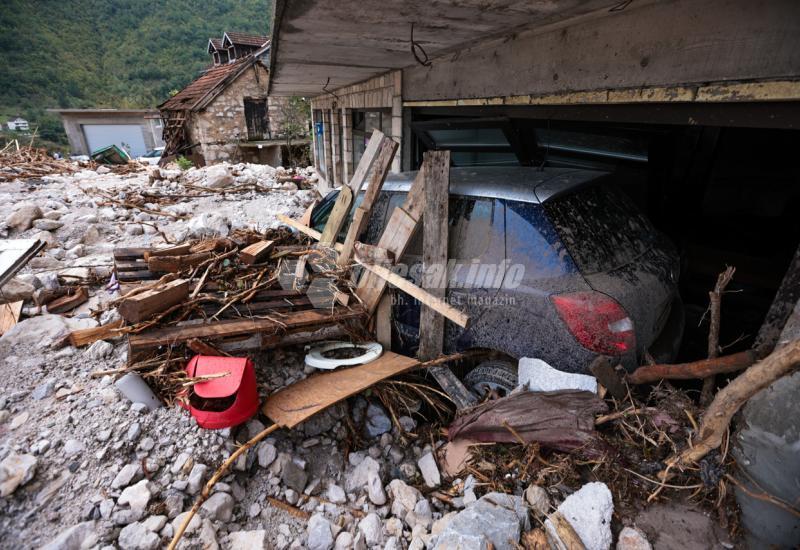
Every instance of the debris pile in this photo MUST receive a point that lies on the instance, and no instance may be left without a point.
(155, 391)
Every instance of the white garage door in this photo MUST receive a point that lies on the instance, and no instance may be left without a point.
(127, 136)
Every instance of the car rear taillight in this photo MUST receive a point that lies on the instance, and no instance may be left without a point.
(596, 321)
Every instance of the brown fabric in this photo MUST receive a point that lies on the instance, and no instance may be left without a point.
(561, 420)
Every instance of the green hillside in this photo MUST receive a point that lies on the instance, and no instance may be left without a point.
(109, 53)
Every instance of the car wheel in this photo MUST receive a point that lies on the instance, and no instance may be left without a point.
(492, 376)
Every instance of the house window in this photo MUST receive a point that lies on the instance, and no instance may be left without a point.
(256, 116)
(364, 122)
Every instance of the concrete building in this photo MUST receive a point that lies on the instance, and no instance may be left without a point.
(225, 114)
(135, 130)
(18, 124)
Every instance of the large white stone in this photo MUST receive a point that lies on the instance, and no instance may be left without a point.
(136, 536)
(76, 537)
(16, 470)
(320, 534)
(430, 471)
(536, 375)
(136, 496)
(247, 540)
(589, 511)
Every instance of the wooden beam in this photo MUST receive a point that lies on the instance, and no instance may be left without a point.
(256, 252)
(174, 264)
(458, 317)
(173, 335)
(383, 163)
(178, 250)
(143, 306)
(86, 336)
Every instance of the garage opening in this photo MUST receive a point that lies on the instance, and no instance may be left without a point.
(721, 184)
(126, 136)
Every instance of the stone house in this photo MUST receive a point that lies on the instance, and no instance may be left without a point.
(225, 113)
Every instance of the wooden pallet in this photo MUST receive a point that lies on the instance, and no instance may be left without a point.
(131, 265)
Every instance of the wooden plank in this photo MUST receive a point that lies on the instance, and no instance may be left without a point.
(173, 335)
(178, 250)
(136, 275)
(174, 264)
(134, 265)
(69, 302)
(388, 148)
(395, 238)
(434, 250)
(458, 317)
(86, 336)
(383, 322)
(9, 315)
(256, 252)
(341, 209)
(365, 163)
(143, 306)
(291, 406)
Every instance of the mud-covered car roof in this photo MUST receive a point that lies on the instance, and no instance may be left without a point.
(519, 183)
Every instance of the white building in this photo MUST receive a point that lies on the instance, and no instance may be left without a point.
(18, 123)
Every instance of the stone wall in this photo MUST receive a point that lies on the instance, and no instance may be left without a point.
(381, 92)
(221, 125)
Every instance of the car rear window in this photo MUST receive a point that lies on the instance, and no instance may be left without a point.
(601, 227)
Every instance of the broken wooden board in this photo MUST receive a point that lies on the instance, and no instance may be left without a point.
(178, 250)
(69, 302)
(174, 264)
(256, 252)
(395, 238)
(278, 324)
(130, 264)
(388, 148)
(341, 209)
(9, 315)
(142, 306)
(14, 254)
(291, 406)
(86, 336)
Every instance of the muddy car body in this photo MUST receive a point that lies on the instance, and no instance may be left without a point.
(551, 263)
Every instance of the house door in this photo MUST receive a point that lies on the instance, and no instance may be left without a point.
(257, 119)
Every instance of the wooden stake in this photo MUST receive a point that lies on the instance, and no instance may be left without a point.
(715, 305)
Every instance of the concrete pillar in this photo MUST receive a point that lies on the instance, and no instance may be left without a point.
(336, 145)
(397, 118)
(326, 122)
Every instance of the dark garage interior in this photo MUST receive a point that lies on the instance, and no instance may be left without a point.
(721, 181)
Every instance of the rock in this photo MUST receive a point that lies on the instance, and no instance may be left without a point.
(43, 390)
(631, 538)
(589, 511)
(320, 535)
(42, 331)
(194, 523)
(496, 518)
(358, 477)
(103, 170)
(247, 540)
(218, 506)
(134, 430)
(430, 471)
(336, 494)
(137, 537)
(99, 350)
(76, 537)
(536, 375)
(179, 463)
(127, 475)
(16, 289)
(378, 422)
(174, 503)
(404, 497)
(155, 523)
(266, 453)
(136, 496)
(16, 470)
(344, 541)
(538, 499)
(208, 225)
(372, 529)
(208, 537)
(134, 229)
(44, 224)
(22, 219)
(19, 420)
(293, 476)
(375, 489)
(196, 478)
(421, 515)
(73, 447)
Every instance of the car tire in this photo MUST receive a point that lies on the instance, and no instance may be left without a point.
(500, 376)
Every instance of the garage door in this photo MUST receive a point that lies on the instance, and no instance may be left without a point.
(128, 136)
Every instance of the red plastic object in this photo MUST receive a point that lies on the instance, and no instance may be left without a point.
(239, 386)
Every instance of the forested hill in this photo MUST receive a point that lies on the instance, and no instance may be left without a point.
(110, 53)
